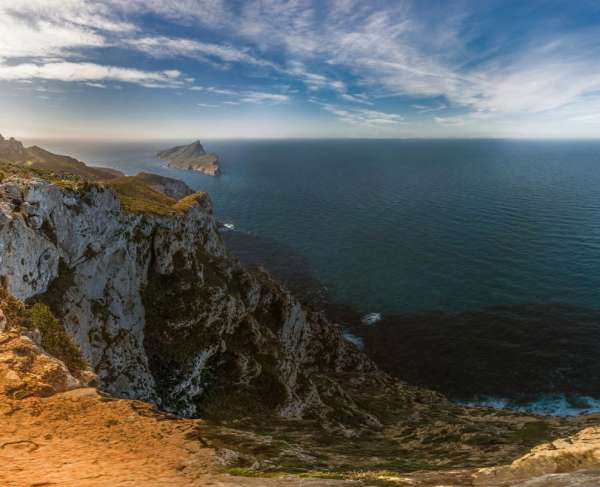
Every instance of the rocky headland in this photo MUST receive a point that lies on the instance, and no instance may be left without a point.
(13, 151)
(135, 348)
(192, 157)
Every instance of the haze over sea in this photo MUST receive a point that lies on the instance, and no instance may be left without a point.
(414, 226)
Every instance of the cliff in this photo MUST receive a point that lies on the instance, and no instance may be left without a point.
(130, 275)
(192, 157)
(145, 286)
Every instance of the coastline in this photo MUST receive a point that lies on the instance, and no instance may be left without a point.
(481, 357)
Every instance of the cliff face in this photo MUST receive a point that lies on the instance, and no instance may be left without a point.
(160, 310)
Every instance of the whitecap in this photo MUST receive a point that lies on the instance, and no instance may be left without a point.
(370, 318)
(550, 405)
(229, 226)
(352, 338)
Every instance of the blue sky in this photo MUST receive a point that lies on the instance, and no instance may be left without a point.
(299, 68)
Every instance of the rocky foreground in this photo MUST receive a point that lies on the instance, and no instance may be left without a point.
(58, 431)
(123, 283)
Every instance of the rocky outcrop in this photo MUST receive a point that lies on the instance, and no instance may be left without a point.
(27, 370)
(192, 157)
(160, 310)
(12, 150)
(570, 461)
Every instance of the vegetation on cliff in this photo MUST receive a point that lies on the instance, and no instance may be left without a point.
(37, 317)
(138, 197)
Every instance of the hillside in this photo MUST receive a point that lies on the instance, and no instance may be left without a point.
(35, 157)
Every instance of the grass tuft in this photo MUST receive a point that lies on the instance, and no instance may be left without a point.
(54, 338)
(187, 202)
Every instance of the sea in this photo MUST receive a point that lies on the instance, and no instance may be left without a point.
(468, 266)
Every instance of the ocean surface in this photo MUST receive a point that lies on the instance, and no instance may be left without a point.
(435, 230)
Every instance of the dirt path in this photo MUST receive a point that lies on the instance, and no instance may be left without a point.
(82, 439)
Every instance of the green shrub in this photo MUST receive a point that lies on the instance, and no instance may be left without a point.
(533, 433)
(54, 338)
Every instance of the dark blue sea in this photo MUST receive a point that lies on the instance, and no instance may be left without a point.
(446, 239)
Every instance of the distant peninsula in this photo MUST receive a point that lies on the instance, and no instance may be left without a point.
(14, 152)
(192, 157)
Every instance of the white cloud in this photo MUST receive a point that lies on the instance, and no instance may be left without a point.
(314, 81)
(260, 97)
(395, 52)
(364, 116)
(207, 105)
(427, 109)
(356, 98)
(220, 91)
(42, 36)
(206, 12)
(453, 121)
(359, 51)
(169, 47)
(88, 72)
(244, 96)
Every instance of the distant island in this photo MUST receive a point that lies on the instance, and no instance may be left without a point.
(192, 157)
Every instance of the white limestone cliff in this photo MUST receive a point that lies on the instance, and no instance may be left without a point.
(159, 309)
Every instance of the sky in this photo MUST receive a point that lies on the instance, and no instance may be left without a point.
(300, 68)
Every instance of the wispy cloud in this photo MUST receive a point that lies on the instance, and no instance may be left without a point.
(351, 56)
(428, 109)
(211, 13)
(356, 98)
(242, 96)
(38, 30)
(364, 116)
(315, 81)
(168, 47)
(453, 121)
(89, 72)
(260, 97)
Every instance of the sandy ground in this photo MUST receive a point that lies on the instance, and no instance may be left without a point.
(80, 438)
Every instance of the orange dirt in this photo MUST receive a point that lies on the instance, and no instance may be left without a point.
(81, 438)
